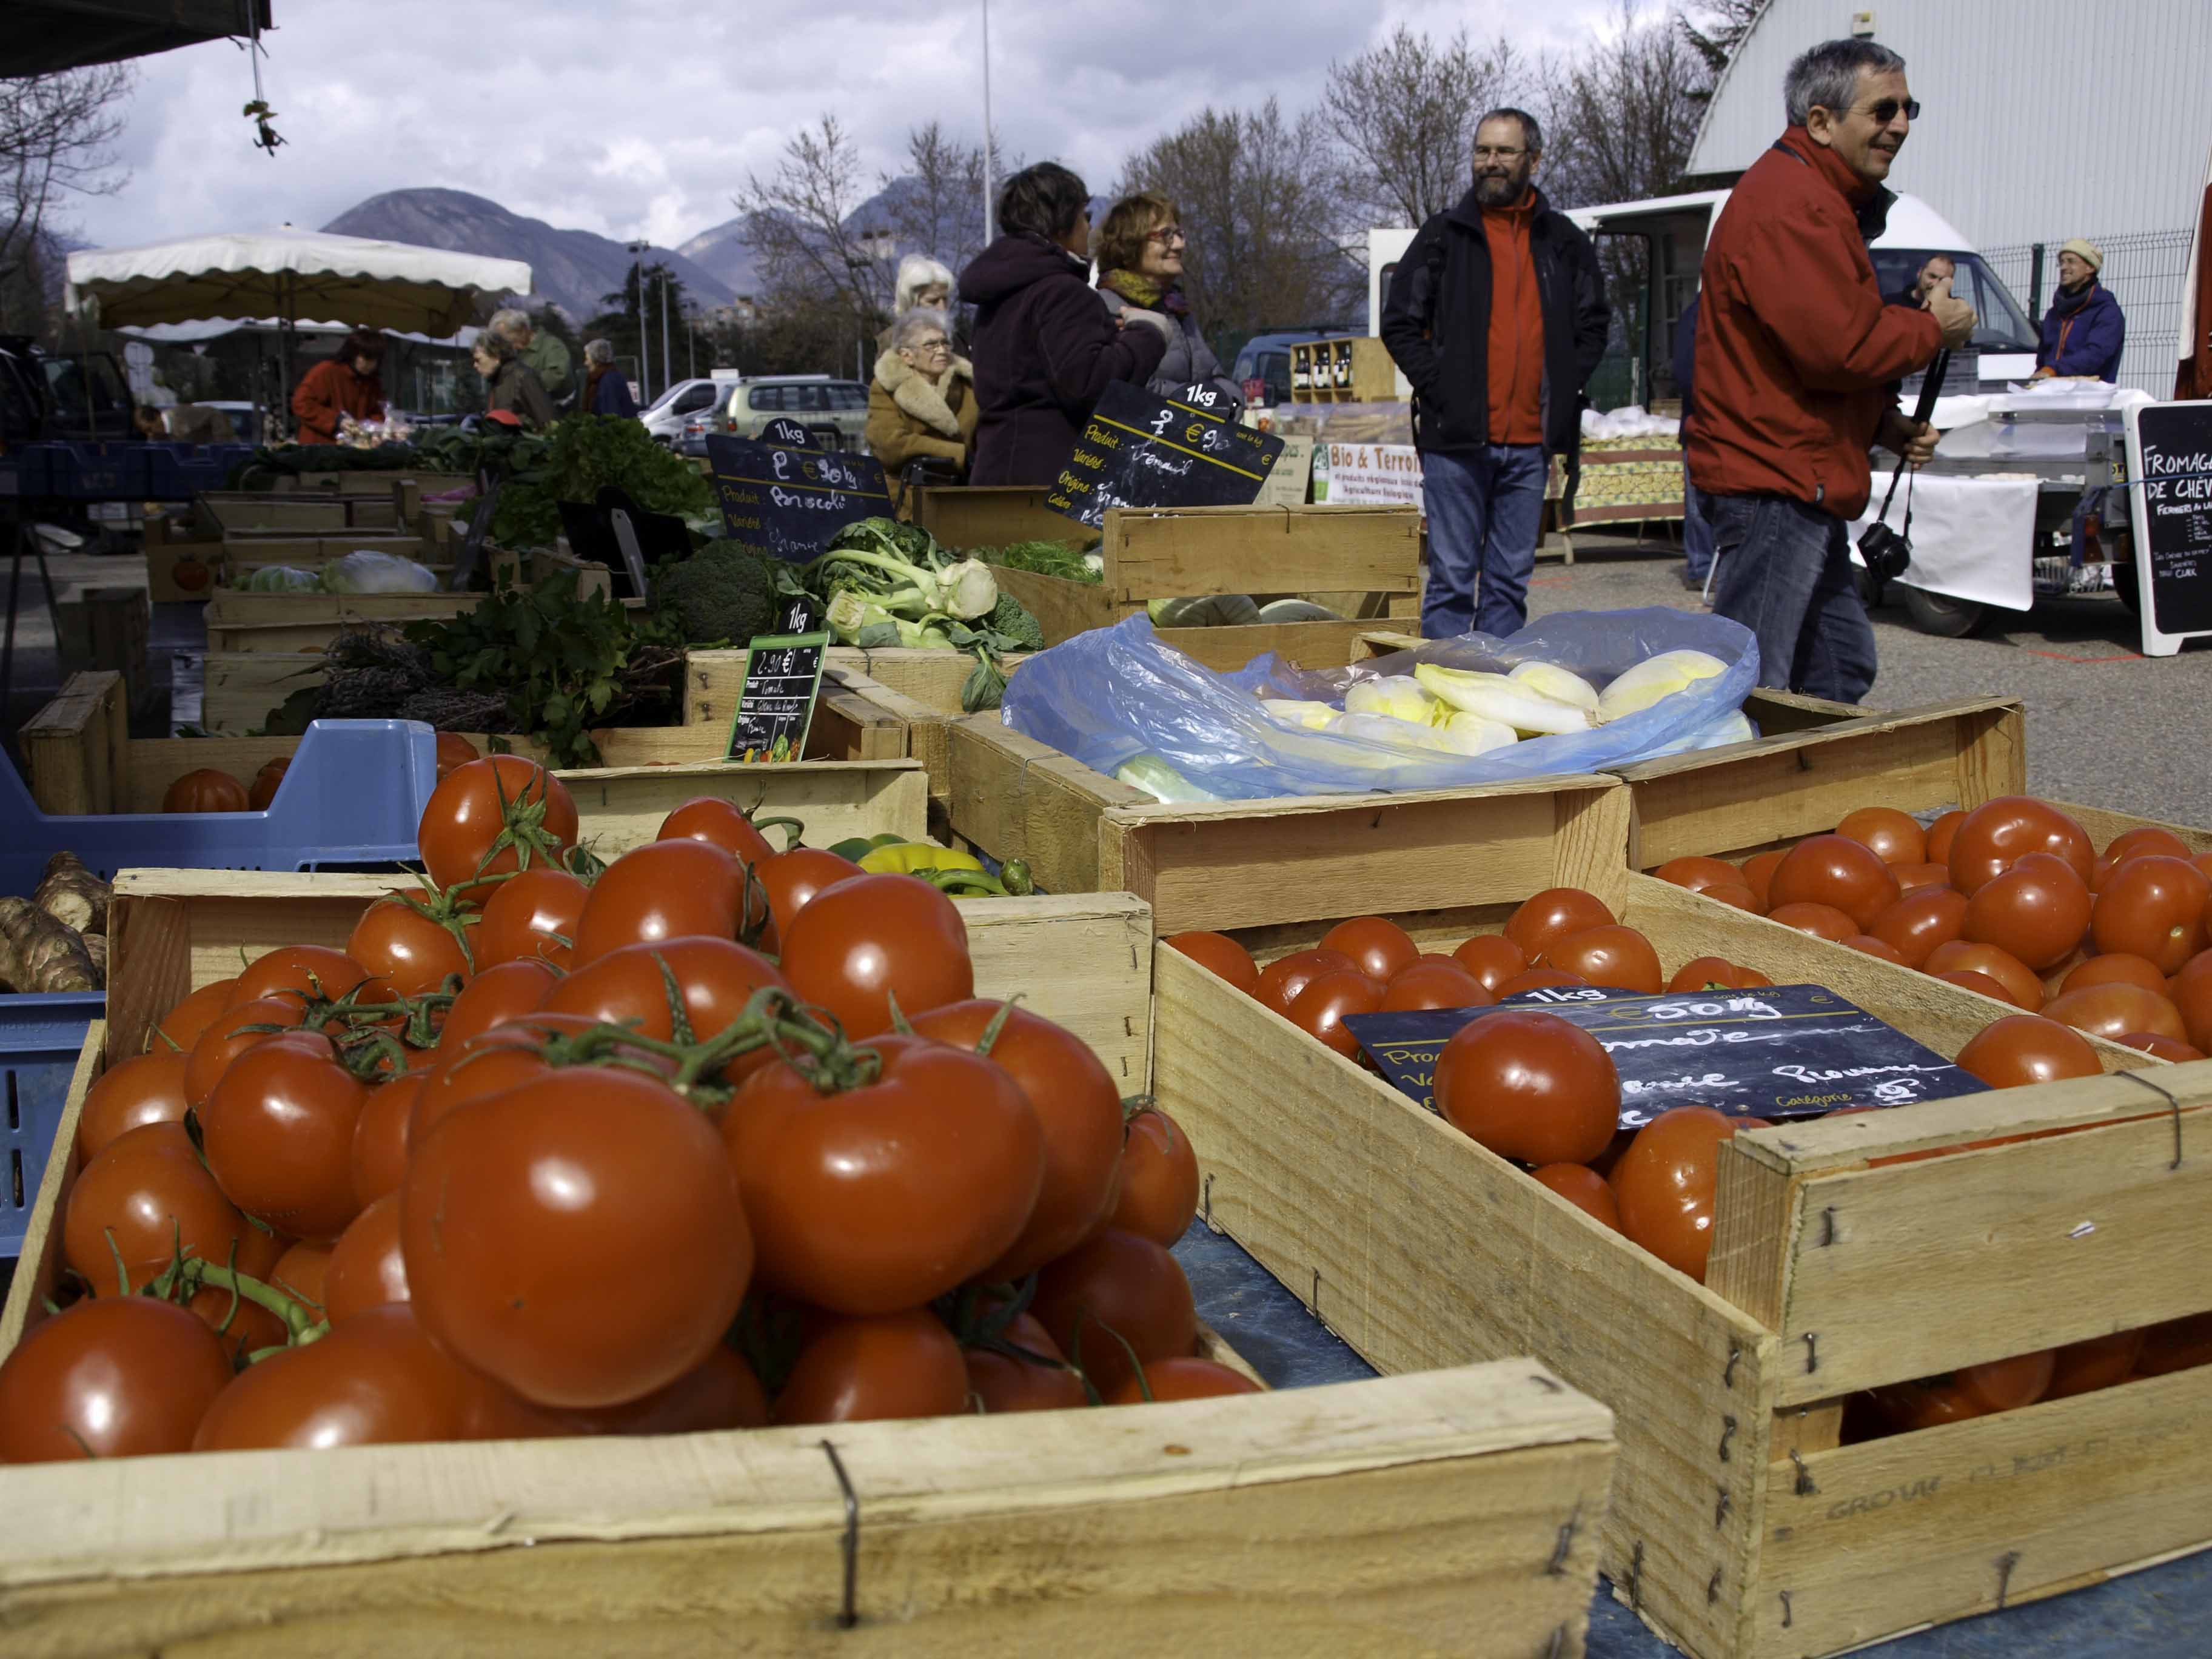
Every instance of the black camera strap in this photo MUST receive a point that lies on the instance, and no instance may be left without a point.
(1931, 387)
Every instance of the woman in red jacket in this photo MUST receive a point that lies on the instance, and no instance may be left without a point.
(342, 383)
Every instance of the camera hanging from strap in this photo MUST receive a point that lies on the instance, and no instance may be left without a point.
(1886, 551)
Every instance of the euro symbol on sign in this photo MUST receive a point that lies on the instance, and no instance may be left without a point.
(1194, 434)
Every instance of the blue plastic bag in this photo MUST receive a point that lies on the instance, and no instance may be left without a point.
(1118, 695)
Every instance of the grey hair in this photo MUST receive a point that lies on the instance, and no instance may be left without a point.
(510, 322)
(1532, 134)
(494, 344)
(598, 351)
(913, 325)
(1827, 76)
(918, 271)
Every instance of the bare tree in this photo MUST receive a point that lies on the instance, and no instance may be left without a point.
(936, 206)
(1402, 116)
(1252, 189)
(1715, 29)
(56, 132)
(800, 223)
(1624, 114)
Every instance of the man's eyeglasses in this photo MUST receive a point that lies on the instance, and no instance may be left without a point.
(1886, 112)
(1166, 235)
(1494, 152)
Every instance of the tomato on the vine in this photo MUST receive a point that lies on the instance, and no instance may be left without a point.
(876, 1366)
(1013, 1383)
(871, 938)
(400, 946)
(662, 890)
(185, 1024)
(150, 1191)
(791, 880)
(715, 978)
(534, 913)
(148, 1088)
(721, 824)
(278, 1132)
(114, 1376)
(299, 971)
(454, 751)
(490, 816)
(498, 996)
(1116, 1284)
(1181, 1377)
(380, 1136)
(367, 1267)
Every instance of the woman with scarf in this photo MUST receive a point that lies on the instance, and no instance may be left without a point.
(1044, 347)
(2084, 332)
(1140, 254)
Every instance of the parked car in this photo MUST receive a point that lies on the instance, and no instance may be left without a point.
(665, 416)
(834, 412)
(61, 395)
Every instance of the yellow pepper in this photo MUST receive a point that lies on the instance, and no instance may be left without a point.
(909, 857)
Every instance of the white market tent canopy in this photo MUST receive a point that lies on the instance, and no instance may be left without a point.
(289, 274)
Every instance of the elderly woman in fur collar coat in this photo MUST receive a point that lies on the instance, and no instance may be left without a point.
(922, 401)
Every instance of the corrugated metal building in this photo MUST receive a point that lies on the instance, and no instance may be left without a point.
(2041, 120)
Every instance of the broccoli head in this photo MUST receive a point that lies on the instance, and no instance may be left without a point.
(725, 591)
(1012, 618)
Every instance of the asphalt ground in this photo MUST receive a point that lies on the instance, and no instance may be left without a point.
(2106, 726)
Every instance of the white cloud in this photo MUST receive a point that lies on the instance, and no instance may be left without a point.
(644, 118)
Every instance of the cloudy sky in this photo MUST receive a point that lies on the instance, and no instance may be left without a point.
(643, 116)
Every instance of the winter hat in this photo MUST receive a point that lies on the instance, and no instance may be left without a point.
(2087, 249)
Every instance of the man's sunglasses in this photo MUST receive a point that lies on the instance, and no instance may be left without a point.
(1886, 112)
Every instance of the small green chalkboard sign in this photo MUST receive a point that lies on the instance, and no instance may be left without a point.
(783, 677)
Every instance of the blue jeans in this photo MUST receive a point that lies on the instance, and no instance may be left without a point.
(1785, 574)
(1697, 529)
(1484, 511)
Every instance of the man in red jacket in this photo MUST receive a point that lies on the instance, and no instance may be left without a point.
(1797, 364)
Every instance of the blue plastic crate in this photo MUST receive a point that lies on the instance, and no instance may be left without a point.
(26, 470)
(177, 473)
(40, 1038)
(97, 471)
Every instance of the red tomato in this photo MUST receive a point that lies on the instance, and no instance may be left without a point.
(1893, 836)
(2192, 999)
(148, 1088)
(1716, 973)
(302, 1272)
(2006, 1385)
(1821, 921)
(1320, 1008)
(719, 823)
(789, 882)
(1117, 1284)
(1758, 875)
(534, 913)
(1868, 944)
(1997, 835)
(367, 1267)
(2153, 908)
(496, 997)
(1181, 1377)
(1980, 984)
(376, 1380)
(1700, 874)
(278, 1133)
(114, 1376)
(1941, 835)
(2023, 987)
(2117, 968)
(185, 1024)
(399, 944)
(1666, 1180)
(379, 1137)
(265, 782)
(1079, 1108)
(1007, 1383)
(2021, 1049)
(1551, 915)
(1617, 957)
(874, 938)
(1736, 896)
(1282, 979)
(299, 970)
(882, 1196)
(2101, 1362)
(2036, 910)
(543, 1226)
(1492, 958)
(1584, 1187)
(1529, 1085)
(454, 751)
(1539, 978)
(1837, 871)
(662, 890)
(2148, 841)
(876, 1367)
(2111, 1011)
(205, 790)
(1220, 955)
(2176, 1345)
(1923, 919)
(1378, 947)
(1435, 983)
(506, 1057)
(1916, 877)
(720, 1392)
(1156, 1195)
(230, 1035)
(243, 1328)
(716, 978)
(490, 816)
(148, 1190)
(2174, 1052)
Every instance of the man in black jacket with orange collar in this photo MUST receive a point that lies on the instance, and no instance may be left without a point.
(1497, 316)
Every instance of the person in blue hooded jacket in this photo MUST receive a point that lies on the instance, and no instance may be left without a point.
(2084, 332)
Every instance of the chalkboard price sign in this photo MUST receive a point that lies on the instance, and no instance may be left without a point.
(2170, 463)
(1790, 1051)
(1137, 450)
(791, 501)
(776, 705)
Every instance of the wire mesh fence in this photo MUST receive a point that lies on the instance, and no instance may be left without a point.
(2144, 270)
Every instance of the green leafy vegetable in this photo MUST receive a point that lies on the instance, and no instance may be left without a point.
(1061, 559)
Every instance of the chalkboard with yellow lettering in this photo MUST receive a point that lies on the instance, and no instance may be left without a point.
(1137, 450)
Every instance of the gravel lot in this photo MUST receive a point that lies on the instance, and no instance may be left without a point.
(2106, 726)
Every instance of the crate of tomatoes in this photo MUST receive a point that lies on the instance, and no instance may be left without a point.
(467, 1266)
(1871, 1370)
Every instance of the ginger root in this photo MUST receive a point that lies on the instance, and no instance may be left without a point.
(72, 894)
(39, 954)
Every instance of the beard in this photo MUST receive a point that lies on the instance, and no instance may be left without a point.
(1501, 190)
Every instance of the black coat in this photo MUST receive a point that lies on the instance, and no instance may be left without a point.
(1044, 349)
(1437, 324)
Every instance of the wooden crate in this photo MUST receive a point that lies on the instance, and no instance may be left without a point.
(392, 504)
(1358, 369)
(1372, 554)
(1453, 1512)
(81, 760)
(1740, 1527)
(1241, 864)
(309, 622)
(983, 516)
(365, 483)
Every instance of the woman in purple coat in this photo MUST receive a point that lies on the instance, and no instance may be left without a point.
(2084, 332)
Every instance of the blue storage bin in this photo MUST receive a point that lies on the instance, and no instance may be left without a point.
(98, 471)
(27, 471)
(40, 1038)
(177, 473)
